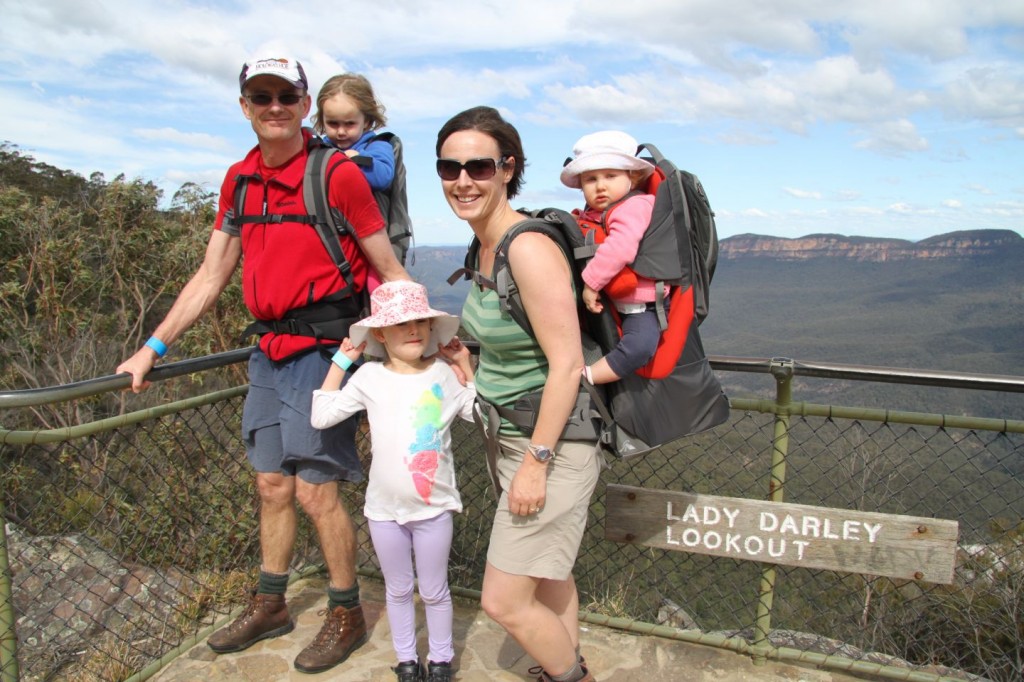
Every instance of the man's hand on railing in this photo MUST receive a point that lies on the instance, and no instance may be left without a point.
(139, 365)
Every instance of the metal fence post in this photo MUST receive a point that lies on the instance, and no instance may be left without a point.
(8, 636)
(782, 370)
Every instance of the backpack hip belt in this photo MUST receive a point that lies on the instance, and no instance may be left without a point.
(322, 320)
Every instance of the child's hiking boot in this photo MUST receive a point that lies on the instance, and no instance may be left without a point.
(343, 631)
(408, 671)
(265, 617)
(439, 672)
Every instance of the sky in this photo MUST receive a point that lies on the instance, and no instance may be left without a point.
(881, 118)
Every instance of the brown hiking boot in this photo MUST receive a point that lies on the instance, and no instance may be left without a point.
(265, 617)
(343, 631)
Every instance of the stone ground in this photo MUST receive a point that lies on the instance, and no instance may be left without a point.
(484, 653)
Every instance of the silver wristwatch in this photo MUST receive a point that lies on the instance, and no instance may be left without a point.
(540, 453)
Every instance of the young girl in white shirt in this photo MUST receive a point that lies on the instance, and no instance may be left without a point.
(411, 400)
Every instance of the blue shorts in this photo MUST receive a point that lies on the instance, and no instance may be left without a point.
(275, 423)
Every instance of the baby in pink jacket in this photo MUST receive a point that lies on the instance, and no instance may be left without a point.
(606, 168)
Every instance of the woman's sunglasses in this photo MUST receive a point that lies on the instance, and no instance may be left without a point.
(263, 99)
(477, 169)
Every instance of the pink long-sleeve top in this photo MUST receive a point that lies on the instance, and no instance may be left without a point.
(626, 225)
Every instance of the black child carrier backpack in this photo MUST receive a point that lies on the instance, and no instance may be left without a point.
(393, 201)
(331, 316)
(676, 394)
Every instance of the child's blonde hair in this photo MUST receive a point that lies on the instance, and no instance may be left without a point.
(359, 89)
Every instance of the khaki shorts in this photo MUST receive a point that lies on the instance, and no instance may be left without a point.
(545, 545)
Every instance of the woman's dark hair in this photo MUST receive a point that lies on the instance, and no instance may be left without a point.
(487, 120)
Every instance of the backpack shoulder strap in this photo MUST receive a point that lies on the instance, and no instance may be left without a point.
(557, 225)
(550, 222)
(615, 204)
(232, 223)
(468, 269)
(329, 222)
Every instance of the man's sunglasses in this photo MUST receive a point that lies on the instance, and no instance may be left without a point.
(263, 99)
(477, 169)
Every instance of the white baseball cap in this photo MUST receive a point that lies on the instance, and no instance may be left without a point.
(286, 68)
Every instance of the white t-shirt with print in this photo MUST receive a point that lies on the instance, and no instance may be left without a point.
(412, 476)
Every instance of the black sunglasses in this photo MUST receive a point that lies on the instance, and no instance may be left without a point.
(263, 99)
(477, 169)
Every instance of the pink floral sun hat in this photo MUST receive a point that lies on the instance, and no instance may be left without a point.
(397, 302)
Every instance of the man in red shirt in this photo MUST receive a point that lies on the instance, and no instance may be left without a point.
(286, 273)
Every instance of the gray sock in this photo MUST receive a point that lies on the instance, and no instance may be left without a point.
(348, 598)
(272, 583)
(574, 674)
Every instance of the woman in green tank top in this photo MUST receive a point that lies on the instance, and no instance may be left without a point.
(546, 483)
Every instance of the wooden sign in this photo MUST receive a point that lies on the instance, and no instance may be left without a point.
(869, 543)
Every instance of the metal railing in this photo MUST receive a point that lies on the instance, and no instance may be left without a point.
(131, 533)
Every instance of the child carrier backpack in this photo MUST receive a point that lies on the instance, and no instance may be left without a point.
(679, 248)
(682, 226)
(331, 316)
(680, 395)
(393, 201)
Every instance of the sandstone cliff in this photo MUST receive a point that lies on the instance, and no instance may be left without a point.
(968, 243)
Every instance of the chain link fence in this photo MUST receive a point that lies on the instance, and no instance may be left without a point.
(133, 535)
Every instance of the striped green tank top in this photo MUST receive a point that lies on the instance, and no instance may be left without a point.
(511, 361)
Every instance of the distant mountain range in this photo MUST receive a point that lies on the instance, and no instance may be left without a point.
(952, 245)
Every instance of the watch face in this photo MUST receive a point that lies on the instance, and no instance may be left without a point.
(540, 453)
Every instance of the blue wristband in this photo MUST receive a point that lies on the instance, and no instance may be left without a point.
(342, 360)
(157, 345)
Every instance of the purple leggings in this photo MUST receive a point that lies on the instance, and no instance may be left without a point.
(429, 541)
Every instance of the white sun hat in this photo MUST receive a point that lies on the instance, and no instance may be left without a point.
(397, 302)
(606, 149)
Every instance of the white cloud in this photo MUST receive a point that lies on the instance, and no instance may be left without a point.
(994, 94)
(745, 138)
(792, 96)
(892, 138)
(198, 140)
(1005, 209)
(937, 29)
(801, 193)
(867, 210)
(904, 208)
